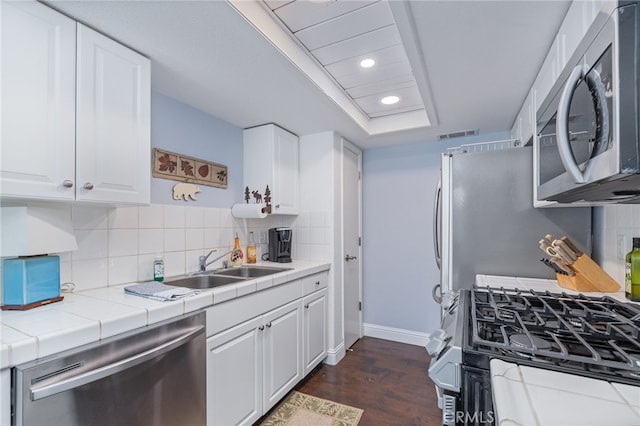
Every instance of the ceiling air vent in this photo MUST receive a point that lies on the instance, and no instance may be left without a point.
(458, 134)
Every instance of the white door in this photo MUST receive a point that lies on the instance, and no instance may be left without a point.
(282, 351)
(315, 329)
(351, 249)
(234, 375)
(113, 150)
(37, 149)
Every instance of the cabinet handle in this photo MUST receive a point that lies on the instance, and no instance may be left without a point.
(317, 282)
(269, 324)
(277, 206)
(88, 186)
(348, 258)
(67, 183)
(306, 306)
(261, 328)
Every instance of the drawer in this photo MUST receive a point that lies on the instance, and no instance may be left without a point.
(314, 282)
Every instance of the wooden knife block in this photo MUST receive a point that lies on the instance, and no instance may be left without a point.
(589, 277)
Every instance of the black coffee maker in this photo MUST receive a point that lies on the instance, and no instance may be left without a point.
(280, 245)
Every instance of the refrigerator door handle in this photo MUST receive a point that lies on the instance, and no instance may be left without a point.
(437, 224)
(436, 293)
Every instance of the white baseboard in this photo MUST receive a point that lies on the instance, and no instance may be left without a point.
(395, 334)
(335, 355)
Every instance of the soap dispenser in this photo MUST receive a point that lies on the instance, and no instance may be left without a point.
(236, 254)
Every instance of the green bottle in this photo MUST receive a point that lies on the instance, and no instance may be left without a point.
(632, 272)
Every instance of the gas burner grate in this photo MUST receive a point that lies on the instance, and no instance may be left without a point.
(597, 334)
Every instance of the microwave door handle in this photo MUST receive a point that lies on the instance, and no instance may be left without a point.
(437, 224)
(562, 125)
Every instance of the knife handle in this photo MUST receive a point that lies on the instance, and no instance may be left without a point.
(571, 246)
(565, 251)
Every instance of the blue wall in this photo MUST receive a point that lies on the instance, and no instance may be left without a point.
(183, 129)
(399, 268)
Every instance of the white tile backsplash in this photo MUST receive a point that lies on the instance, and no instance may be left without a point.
(194, 238)
(123, 218)
(118, 245)
(151, 216)
(194, 217)
(174, 240)
(174, 216)
(123, 242)
(84, 217)
(622, 219)
(150, 241)
(92, 244)
(123, 269)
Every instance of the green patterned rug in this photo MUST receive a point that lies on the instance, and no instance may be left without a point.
(301, 409)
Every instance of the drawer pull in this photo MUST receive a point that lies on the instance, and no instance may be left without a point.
(269, 324)
(88, 186)
(261, 328)
(67, 183)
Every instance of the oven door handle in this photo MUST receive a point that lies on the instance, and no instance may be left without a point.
(39, 392)
(596, 87)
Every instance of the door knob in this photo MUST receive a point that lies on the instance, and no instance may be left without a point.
(348, 258)
(88, 186)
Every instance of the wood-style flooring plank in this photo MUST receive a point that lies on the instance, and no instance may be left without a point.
(388, 380)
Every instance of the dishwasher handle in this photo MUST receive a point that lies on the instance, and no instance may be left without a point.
(40, 392)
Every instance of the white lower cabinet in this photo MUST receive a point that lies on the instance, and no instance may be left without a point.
(261, 345)
(234, 375)
(253, 365)
(314, 319)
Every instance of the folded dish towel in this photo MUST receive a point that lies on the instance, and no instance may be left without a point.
(158, 291)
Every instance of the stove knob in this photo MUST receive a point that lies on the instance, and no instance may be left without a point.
(436, 342)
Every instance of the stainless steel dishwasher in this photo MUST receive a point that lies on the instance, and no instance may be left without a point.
(153, 377)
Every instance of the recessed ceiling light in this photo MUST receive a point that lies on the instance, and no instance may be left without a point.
(367, 63)
(390, 100)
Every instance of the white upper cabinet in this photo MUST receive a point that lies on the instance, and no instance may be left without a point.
(113, 121)
(75, 111)
(38, 98)
(271, 158)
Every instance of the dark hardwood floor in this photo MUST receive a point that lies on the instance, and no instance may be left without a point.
(388, 380)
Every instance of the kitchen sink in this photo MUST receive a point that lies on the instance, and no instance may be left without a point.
(204, 281)
(249, 271)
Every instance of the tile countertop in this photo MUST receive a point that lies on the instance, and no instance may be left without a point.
(88, 316)
(532, 396)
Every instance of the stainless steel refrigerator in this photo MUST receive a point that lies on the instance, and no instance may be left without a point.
(485, 223)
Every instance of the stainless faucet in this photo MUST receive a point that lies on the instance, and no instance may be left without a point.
(204, 263)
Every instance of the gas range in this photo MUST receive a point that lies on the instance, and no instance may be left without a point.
(597, 337)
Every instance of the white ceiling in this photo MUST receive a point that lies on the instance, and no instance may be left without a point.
(475, 59)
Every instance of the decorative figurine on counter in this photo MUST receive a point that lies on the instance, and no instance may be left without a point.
(257, 196)
(247, 197)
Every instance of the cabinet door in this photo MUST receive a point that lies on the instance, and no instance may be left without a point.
(234, 375)
(38, 98)
(282, 352)
(285, 196)
(113, 149)
(314, 319)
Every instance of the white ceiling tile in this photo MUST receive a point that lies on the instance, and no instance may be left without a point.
(346, 26)
(275, 4)
(382, 87)
(382, 57)
(304, 13)
(374, 40)
(395, 111)
(375, 75)
(409, 98)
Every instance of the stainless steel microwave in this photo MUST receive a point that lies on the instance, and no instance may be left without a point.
(588, 126)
